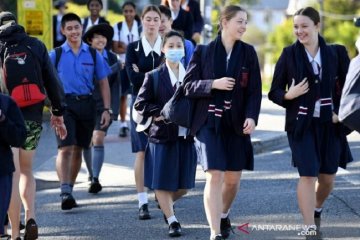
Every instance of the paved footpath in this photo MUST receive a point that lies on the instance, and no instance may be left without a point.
(266, 206)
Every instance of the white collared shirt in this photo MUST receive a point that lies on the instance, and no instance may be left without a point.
(316, 65)
(90, 24)
(126, 36)
(175, 81)
(185, 4)
(174, 15)
(147, 47)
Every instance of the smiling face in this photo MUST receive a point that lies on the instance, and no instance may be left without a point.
(305, 30)
(129, 13)
(151, 23)
(95, 8)
(98, 42)
(165, 26)
(72, 30)
(235, 27)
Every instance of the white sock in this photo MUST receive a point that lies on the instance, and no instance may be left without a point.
(123, 124)
(318, 209)
(172, 219)
(225, 215)
(143, 198)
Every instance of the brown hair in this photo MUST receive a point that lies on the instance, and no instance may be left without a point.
(310, 13)
(150, 8)
(228, 13)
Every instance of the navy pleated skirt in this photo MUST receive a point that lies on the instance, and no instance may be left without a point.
(138, 139)
(170, 166)
(225, 150)
(318, 150)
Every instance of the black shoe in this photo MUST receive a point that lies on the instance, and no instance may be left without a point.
(175, 229)
(95, 186)
(317, 214)
(217, 237)
(144, 212)
(31, 230)
(67, 201)
(123, 131)
(225, 227)
(21, 226)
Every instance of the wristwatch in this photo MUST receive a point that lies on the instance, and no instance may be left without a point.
(108, 110)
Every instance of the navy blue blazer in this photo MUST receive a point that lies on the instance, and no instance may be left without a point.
(285, 71)
(135, 55)
(147, 104)
(194, 8)
(184, 23)
(246, 97)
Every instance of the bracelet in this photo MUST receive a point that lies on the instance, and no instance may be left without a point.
(107, 110)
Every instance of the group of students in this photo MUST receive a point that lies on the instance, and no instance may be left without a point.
(223, 80)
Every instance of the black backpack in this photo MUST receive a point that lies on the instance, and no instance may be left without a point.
(22, 74)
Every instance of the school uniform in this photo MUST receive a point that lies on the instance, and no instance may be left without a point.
(183, 22)
(77, 74)
(127, 36)
(219, 115)
(147, 59)
(170, 157)
(114, 85)
(318, 145)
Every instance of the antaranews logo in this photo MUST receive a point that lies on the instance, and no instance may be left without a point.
(301, 230)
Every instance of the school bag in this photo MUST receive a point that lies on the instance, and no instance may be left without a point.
(22, 74)
(179, 109)
(349, 111)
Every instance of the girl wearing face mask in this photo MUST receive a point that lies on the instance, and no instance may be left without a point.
(143, 56)
(170, 159)
(308, 81)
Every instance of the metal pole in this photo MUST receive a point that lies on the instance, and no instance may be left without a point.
(206, 8)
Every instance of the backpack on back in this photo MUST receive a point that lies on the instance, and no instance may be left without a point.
(22, 75)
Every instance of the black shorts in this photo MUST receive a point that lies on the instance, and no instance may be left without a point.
(79, 118)
(318, 151)
(98, 124)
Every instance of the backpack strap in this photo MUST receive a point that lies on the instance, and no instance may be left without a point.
(119, 26)
(140, 28)
(58, 52)
(155, 75)
(93, 54)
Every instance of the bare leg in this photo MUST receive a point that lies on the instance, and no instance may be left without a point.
(75, 164)
(323, 188)
(123, 108)
(15, 202)
(213, 200)
(306, 198)
(139, 171)
(178, 194)
(166, 202)
(230, 188)
(27, 183)
(63, 164)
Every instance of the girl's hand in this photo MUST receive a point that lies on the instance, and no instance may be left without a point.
(249, 126)
(224, 83)
(297, 90)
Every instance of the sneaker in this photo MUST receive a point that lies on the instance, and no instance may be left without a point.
(95, 186)
(123, 131)
(225, 227)
(31, 230)
(21, 226)
(175, 229)
(144, 212)
(67, 201)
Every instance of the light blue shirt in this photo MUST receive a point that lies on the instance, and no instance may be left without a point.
(77, 72)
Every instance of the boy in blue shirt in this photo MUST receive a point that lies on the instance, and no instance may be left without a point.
(78, 68)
